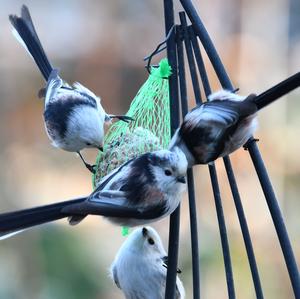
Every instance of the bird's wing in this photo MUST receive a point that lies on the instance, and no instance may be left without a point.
(113, 198)
(113, 179)
(111, 204)
(225, 112)
(207, 127)
(114, 203)
(53, 85)
(103, 200)
(88, 94)
(84, 91)
(107, 203)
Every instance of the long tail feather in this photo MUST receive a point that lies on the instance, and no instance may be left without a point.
(10, 234)
(277, 91)
(26, 31)
(13, 222)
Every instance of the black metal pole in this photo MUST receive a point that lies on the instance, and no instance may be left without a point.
(191, 188)
(231, 178)
(199, 61)
(191, 61)
(174, 106)
(212, 170)
(206, 41)
(223, 231)
(276, 216)
(253, 150)
(244, 228)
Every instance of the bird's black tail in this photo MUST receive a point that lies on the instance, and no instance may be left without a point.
(26, 31)
(277, 91)
(13, 222)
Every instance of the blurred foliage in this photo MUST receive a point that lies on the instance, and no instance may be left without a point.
(78, 278)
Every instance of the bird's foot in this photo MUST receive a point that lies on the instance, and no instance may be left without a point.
(124, 118)
(246, 145)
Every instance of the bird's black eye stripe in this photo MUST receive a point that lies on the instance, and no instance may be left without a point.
(168, 172)
(88, 144)
(150, 241)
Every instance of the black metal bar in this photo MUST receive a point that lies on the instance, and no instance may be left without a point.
(231, 178)
(253, 150)
(244, 228)
(206, 42)
(212, 170)
(158, 50)
(181, 72)
(191, 188)
(276, 216)
(190, 57)
(194, 235)
(223, 232)
(174, 106)
(200, 62)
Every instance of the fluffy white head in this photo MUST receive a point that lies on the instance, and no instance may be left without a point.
(138, 268)
(143, 241)
(85, 129)
(170, 171)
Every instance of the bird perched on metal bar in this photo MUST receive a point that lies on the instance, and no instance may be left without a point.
(224, 123)
(216, 128)
(142, 190)
(139, 268)
(74, 117)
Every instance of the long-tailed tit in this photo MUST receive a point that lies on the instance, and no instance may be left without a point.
(223, 124)
(74, 117)
(140, 191)
(140, 267)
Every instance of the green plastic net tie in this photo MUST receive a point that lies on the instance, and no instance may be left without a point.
(125, 231)
(163, 71)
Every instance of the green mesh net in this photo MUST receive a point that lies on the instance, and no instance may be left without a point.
(150, 129)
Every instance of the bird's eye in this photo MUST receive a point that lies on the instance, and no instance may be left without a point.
(88, 144)
(150, 241)
(168, 172)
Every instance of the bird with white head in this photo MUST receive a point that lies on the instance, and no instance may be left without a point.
(140, 266)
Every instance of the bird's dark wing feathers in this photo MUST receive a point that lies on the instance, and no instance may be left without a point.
(120, 196)
(110, 177)
(217, 120)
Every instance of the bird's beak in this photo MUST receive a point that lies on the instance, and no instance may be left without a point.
(100, 148)
(181, 179)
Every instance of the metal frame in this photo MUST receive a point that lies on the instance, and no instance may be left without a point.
(190, 35)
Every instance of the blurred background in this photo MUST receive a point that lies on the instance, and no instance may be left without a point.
(101, 44)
